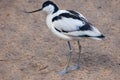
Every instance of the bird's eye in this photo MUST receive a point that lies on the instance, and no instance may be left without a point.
(44, 5)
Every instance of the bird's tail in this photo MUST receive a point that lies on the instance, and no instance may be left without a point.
(96, 34)
(101, 37)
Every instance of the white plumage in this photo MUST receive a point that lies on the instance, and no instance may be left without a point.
(69, 25)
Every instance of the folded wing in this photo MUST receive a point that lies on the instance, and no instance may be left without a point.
(75, 24)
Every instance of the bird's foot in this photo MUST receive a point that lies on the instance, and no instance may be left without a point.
(75, 67)
(63, 72)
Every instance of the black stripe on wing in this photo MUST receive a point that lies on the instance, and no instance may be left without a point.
(99, 37)
(67, 15)
(76, 14)
(73, 12)
(85, 27)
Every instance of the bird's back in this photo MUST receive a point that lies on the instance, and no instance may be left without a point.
(72, 24)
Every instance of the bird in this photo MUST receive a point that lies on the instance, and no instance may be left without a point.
(69, 25)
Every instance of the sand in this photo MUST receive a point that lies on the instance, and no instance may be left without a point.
(29, 50)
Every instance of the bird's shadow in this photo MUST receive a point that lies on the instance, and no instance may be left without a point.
(98, 61)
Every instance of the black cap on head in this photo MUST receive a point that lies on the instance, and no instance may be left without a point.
(47, 3)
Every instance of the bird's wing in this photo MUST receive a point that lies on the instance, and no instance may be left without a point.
(68, 25)
(69, 21)
(74, 24)
(77, 14)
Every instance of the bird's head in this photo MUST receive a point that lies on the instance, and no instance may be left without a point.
(48, 7)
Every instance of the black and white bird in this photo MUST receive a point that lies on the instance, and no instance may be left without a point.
(69, 25)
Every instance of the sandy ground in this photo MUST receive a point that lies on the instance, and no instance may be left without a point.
(29, 51)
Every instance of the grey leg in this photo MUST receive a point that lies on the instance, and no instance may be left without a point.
(77, 66)
(68, 61)
(78, 61)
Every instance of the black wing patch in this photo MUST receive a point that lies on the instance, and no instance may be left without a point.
(76, 14)
(85, 27)
(73, 12)
(67, 15)
(56, 18)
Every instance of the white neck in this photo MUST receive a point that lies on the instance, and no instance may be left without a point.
(49, 9)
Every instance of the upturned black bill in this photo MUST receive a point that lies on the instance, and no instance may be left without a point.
(33, 11)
